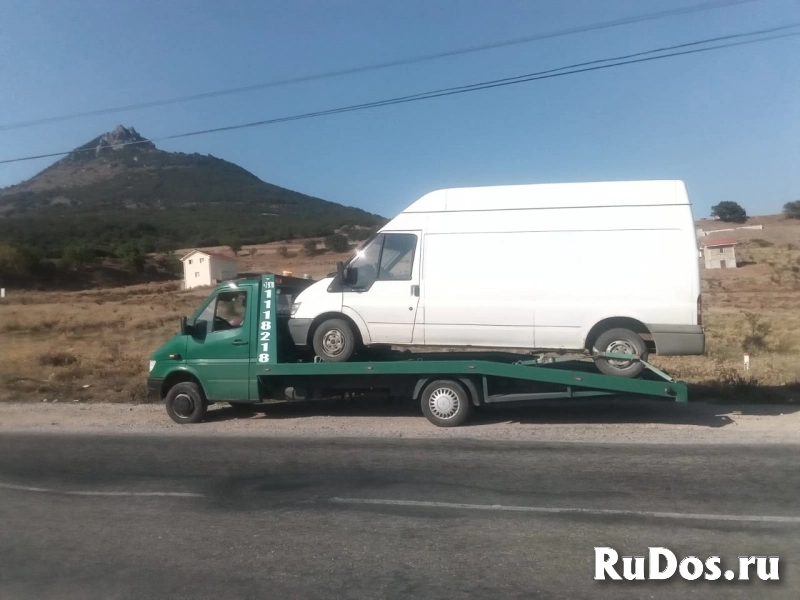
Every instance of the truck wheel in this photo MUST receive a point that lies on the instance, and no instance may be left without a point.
(186, 403)
(334, 341)
(445, 403)
(623, 341)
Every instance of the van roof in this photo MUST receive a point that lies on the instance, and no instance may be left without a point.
(553, 195)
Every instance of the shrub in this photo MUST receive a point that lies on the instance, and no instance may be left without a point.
(757, 332)
(310, 247)
(791, 210)
(57, 359)
(337, 243)
(359, 235)
(77, 255)
(283, 251)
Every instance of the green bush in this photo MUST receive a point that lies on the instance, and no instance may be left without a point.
(791, 210)
(337, 243)
(310, 247)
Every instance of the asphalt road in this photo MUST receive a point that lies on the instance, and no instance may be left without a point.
(203, 517)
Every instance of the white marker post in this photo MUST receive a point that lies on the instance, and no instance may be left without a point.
(746, 362)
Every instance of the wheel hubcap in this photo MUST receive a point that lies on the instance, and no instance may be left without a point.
(183, 405)
(620, 347)
(333, 342)
(444, 403)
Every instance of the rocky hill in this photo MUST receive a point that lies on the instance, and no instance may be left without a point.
(119, 188)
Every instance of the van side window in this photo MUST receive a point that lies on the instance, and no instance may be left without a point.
(397, 258)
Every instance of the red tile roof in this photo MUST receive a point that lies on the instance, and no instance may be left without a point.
(214, 254)
(726, 241)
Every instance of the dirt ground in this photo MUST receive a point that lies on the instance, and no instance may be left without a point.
(614, 421)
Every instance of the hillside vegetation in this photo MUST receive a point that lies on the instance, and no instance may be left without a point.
(106, 196)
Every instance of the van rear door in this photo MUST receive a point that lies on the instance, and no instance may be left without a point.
(385, 293)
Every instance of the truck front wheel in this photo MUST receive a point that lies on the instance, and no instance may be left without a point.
(186, 403)
(445, 403)
(334, 341)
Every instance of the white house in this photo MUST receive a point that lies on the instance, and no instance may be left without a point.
(720, 253)
(207, 268)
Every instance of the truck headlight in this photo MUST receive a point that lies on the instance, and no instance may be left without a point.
(152, 364)
(295, 307)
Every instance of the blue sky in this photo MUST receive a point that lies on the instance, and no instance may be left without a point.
(726, 122)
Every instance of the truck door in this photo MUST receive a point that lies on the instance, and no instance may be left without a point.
(219, 348)
(385, 292)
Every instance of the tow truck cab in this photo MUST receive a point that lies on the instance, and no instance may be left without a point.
(219, 347)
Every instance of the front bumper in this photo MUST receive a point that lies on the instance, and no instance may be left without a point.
(154, 386)
(298, 329)
(678, 340)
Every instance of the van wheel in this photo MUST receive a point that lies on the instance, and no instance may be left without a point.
(186, 403)
(445, 403)
(334, 341)
(621, 341)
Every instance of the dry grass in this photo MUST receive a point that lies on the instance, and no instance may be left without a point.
(94, 345)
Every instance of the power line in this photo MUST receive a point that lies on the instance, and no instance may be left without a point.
(718, 4)
(595, 65)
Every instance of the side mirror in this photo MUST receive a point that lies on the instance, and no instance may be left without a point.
(347, 275)
(186, 328)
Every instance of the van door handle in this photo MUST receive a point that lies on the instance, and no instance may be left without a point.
(240, 342)
(415, 290)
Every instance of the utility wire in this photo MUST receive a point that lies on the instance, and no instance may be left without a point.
(718, 4)
(595, 65)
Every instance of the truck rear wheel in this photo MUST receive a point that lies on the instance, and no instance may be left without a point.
(445, 403)
(186, 403)
(621, 341)
(334, 341)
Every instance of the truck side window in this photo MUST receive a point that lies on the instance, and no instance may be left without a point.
(397, 258)
(225, 312)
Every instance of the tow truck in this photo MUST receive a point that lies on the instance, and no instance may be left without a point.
(237, 349)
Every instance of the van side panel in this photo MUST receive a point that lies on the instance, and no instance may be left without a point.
(472, 294)
(562, 269)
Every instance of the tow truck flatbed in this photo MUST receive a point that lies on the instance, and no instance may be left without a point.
(448, 384)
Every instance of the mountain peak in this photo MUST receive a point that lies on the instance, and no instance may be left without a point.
(121, 137)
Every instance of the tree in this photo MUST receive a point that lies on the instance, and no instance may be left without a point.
(791, 210)
(337, 243)
(235, 246)
(730, 212)
(283, 251)
(77, 255)
(132, 257)
(310, 247)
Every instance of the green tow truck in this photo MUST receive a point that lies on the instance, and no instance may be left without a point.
(237, 349)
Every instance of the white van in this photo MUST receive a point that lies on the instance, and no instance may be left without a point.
(597, 267)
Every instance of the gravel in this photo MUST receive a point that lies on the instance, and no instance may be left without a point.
(612, 421)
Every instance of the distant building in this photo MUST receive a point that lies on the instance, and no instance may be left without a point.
(207, 268)
(719, 253)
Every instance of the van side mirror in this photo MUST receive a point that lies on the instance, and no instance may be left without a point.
(186, 328)
(347, 275)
